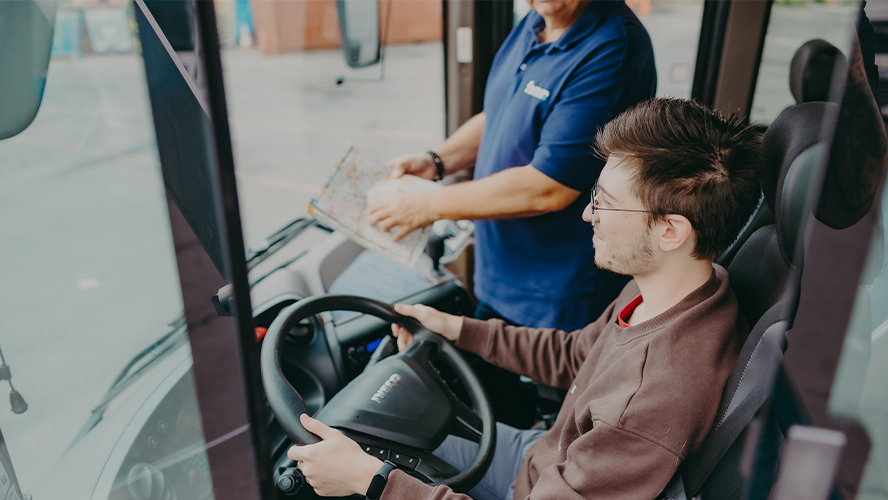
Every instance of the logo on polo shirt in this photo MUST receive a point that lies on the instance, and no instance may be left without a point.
(533, 90)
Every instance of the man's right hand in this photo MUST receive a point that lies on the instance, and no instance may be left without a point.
(446, 325)
(420, 165)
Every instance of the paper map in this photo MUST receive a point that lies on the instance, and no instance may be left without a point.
(360, 179)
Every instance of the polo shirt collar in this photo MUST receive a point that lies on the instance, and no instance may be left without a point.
(584, 26)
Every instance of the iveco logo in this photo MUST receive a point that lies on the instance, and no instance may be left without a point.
(386, 388)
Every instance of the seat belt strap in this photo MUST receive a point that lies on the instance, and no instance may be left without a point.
(749, 387)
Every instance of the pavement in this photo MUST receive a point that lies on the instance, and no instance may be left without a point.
(89, 269)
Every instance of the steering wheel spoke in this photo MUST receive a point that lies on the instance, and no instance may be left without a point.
(468, 424)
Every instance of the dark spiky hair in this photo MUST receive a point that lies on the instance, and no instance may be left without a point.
(691, 161)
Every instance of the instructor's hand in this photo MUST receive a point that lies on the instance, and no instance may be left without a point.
(420, 165)
(407, 212)
(446, 325)
(335, 467)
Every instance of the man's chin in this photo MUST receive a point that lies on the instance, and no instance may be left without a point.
(606, 266)
(609, 266)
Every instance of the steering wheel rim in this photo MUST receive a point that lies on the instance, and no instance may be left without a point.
(287, 404)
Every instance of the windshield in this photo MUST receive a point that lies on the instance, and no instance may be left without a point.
(89, 266)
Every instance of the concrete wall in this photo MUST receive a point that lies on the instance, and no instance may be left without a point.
(293, 25)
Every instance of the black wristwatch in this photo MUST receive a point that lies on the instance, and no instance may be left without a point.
(439, 165)
(379, 481)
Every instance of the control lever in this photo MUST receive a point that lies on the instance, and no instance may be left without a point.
(435, 250)
(385, 349)
(289, 478)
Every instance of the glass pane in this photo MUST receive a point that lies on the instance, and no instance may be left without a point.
(291, 120)
(859, 388)
(792, 23)
(674, 27)
(91, 328)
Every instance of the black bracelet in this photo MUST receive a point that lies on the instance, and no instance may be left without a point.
(439, 165)
(377, 484)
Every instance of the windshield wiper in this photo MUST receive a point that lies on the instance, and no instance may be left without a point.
(263, 249)
(139, 363)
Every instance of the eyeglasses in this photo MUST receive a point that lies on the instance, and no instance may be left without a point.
(594, 205)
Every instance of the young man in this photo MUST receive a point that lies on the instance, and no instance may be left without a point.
(644, 381)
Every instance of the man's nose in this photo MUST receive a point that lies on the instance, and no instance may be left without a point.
(587, 213)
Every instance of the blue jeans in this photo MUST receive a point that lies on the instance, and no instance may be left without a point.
(511, 447)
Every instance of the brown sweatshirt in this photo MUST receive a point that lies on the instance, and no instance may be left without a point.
(640, 399)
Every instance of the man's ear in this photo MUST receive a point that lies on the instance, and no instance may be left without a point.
(676, 231)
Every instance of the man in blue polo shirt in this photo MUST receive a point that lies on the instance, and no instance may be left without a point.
(563, 72)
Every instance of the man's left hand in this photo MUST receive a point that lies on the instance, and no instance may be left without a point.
(408, 212)
(335, 467)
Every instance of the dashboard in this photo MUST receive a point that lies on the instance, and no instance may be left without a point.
(166, 460)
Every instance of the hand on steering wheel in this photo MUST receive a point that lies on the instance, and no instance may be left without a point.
(446, 325)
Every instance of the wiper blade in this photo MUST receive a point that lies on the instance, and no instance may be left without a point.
(268, 245)
(124, 374)
(140, 363)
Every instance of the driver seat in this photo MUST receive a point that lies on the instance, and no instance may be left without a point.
(764, 274)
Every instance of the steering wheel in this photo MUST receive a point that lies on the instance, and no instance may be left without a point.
(400, 407)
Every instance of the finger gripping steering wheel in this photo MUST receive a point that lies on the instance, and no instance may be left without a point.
(401, 400)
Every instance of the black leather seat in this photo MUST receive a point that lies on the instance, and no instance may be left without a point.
(766, 262)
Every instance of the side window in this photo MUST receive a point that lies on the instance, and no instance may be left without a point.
(792, 24)
(94, 339)
(295, 105)
(859, 387)
(674, 28)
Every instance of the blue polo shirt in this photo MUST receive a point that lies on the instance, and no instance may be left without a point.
(543, 105)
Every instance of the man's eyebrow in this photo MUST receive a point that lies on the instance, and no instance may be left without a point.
(601, 188)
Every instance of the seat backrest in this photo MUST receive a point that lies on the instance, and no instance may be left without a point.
(793, 152)
(810, 79)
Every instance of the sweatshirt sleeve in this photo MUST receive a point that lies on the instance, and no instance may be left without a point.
(546, 355)
(608, 463)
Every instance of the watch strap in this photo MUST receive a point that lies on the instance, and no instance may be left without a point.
(439, 165)
(380, 479)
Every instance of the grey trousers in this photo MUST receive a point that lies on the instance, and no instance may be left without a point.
(511, 447)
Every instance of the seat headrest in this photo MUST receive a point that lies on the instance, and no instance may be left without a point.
(793, 154)
(812, 70)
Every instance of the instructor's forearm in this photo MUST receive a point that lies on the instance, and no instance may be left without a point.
(515, 192)
(460, 150)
